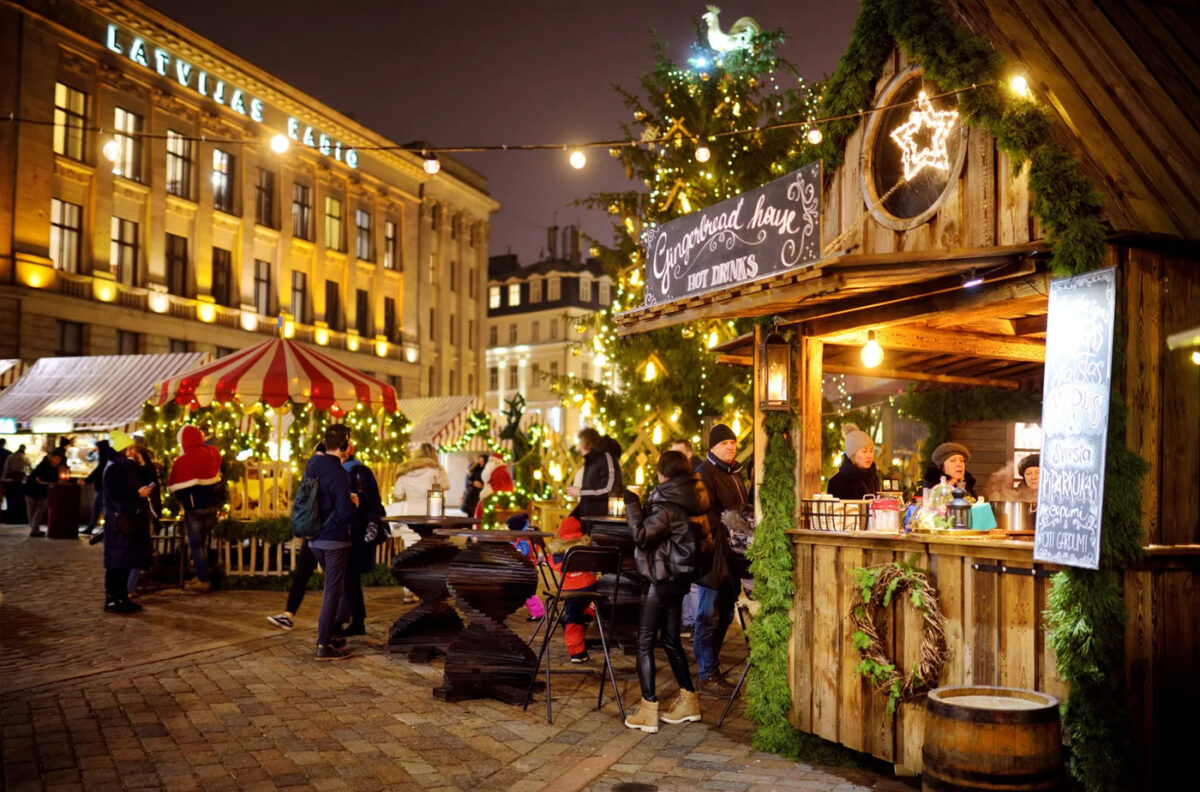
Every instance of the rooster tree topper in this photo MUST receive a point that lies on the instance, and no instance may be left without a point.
(739, 34)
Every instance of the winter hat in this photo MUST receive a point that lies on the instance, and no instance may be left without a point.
(719, 434)
(518, 522)
(119, 441)
(570, 528)
(1033, 460)
(189, 436)
(856, 439)
(947, 450)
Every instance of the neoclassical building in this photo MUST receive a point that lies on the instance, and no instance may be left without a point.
(538, 328)
(144, 208)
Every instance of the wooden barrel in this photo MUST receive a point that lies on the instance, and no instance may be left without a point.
(991, 738)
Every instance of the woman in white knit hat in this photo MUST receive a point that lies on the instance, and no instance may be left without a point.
(857, 477)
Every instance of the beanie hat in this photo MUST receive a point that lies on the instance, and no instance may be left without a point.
(119, 441)
(570, 528)
(856, 439)
(947, 450)
(1033, 460)
(719, 434)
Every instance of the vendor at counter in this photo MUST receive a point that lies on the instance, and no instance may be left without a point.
(950, 460)
(1027, 490)
(857, 477)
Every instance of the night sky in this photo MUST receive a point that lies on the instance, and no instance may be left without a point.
(480, 72)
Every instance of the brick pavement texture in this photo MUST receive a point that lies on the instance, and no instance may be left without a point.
(199, 692)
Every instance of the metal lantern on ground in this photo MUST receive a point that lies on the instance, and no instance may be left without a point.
(774, 371)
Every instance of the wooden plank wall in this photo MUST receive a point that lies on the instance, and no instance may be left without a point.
(988, 443)
(988, 206)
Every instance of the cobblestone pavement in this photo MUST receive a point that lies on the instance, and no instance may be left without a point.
(199, 692)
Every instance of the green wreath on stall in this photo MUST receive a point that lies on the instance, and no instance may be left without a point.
(877, 586)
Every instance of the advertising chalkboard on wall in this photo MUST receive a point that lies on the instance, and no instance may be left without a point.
(1079, 334)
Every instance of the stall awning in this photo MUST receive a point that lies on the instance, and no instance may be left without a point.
(439, 419)
(96, 393)
(11, 370)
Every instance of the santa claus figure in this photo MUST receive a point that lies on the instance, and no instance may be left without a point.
(496, 478)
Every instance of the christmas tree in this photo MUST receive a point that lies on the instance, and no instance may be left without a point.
(701, 141)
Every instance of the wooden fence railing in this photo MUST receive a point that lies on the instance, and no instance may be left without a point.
(257, 558)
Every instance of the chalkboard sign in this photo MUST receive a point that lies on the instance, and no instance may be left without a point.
(1079, 335)
(761, 232)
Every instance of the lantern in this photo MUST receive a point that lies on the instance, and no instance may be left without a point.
(774, 372)
(959, 510)
(435, 504)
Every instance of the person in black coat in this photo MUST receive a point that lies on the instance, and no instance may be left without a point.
(857, 477)
(601, 474)
(37, 489)
(352, 612)
(950, 460)
(474, 485)
(104, 455)
(126, 524)
(670, 538)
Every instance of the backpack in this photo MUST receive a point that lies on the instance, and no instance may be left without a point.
(376, 531)
(307, 522)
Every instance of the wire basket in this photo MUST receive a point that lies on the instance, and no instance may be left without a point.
(834, 515)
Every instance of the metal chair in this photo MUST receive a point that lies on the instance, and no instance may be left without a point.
(606, 561)
(746, 617)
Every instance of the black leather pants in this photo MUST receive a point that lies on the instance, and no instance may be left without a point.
(661, 609)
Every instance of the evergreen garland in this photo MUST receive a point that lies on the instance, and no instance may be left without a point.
(939, 408)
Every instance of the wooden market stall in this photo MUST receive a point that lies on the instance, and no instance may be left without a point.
(954, 285)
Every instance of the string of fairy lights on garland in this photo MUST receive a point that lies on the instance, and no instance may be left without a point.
(479, 424)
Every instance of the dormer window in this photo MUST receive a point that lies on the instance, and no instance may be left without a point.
(514, 294)
(535, 291)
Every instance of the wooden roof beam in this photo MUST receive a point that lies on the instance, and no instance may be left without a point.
(920, 376)
(946, 341)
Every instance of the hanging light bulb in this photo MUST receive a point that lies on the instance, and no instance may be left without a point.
(111, 150)
(713, 340)
(1019, 85)
(814, 136)
(279, 144)
(702, 153)
(431, 164)
(872, 353)
(578, 159)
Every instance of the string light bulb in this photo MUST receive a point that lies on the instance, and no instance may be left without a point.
(1019, 86)
(872, 353)
(814, 136)
(578, 159)
(279, 144)
(431, 164)
(702, 153)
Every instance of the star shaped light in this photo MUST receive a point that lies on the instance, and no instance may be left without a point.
(939, 123)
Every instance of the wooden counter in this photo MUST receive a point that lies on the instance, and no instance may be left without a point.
(994, 629)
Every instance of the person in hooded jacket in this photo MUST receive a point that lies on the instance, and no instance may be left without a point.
(352, 612)
(126, 524)
(857, 477)
(331, 547)
(417, 476)
(669, 537)
(194, 479)
(104, 455)
(950, 460)
(601, 474)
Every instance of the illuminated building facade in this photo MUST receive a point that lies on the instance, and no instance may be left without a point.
(539, 329)
(144, 207)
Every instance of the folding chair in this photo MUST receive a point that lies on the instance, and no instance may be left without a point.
(549, 583)
(606, 561)
(746, 617)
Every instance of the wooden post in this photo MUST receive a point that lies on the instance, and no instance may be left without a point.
(809, 480)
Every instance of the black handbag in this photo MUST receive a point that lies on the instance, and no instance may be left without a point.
(135, 523)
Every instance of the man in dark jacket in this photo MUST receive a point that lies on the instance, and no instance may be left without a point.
(352, 613)
(670, 539)
(601, 474)
(37, 487)
(332, 546)
(722, 477)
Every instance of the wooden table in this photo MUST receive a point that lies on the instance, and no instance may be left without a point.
(426, 630)
(615, 532)
(489, 580)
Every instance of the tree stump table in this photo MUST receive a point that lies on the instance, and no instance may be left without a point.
(489, 580)
(426, 630)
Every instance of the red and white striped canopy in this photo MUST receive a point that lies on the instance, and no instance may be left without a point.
(275, 372)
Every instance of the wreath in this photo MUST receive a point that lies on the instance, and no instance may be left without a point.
(876, 587)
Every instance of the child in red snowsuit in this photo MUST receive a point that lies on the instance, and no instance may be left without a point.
(570, 534)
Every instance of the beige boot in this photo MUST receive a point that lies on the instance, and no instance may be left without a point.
(645, 717)
(686, 708)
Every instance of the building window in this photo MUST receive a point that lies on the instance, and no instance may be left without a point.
(262, 287)
(512, 334)
(493, 297)
(493, 378)
(66, 227)
(301, 211)
(535, 291)
(129, 343)
(362, 312)
(553, 368)
(70, 121)
(390, 260)
(177, 265)
(180, 153)
(585, 370)
(454, 224)
(433, 382)
(453, 381)
(362, 221)
(514, 378)
(69, 339)
(471, 382)
(264, 198)
(222, 276)
(433, 324)
(221, 352)
(471, 282)
(585, 289)
(333, 307)
(178, 347)
(453, 333)
(553, 329)
(432, 268)
(453, 276)
(514, 294)
(222, 179)
(128, 129)
(123, 254)
(389, 318)
(536, 331)
(300, 297)
(493, 336)
(553, 288)
(537, 373)
(604, 293)
(333, 224)
(471, 334)
(435, 218)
